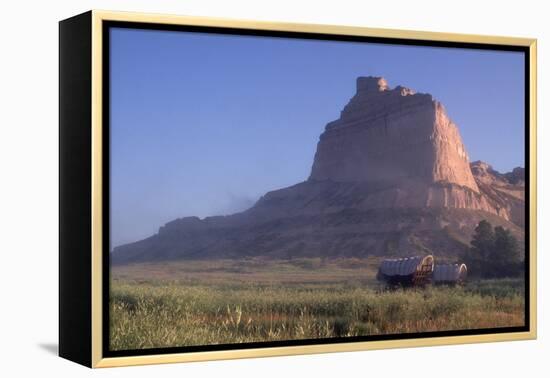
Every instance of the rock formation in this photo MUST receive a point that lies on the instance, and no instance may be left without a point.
(390, 136)
(504, 192)
(403, 143)
(390, 177)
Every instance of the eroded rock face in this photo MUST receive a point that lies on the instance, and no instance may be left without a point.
(392, 136)
(390, 177)
(402, 144)
(504, 192)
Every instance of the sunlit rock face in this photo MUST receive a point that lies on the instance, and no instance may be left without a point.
(391, 136)
(404, 145)
(390, 177)
(505, 192)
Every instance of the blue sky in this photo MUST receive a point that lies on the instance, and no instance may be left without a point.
(204, 124)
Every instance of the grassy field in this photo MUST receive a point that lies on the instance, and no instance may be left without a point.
(212, 302)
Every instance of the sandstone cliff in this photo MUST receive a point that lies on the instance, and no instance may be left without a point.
(390, 135)
(391, 176)
(403, 143)
(504, 192)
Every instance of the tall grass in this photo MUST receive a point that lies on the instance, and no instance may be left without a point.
(166, 314)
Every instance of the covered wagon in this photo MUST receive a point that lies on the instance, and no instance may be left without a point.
(408, 271)
(450, 274)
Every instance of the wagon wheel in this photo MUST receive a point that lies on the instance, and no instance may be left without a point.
(422, 276)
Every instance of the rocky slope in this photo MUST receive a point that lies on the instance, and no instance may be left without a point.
(504, 192)
(391, 176)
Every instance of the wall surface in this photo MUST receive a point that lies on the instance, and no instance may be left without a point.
(29, 189)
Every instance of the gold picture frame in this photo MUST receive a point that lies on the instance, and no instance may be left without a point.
(82, 275)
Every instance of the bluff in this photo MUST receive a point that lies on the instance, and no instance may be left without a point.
(390, 177)
(391, 136)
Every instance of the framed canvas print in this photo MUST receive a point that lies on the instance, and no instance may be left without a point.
(236, 189)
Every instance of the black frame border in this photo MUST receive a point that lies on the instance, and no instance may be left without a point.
(107, 25)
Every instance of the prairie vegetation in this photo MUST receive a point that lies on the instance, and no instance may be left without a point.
(217, 302)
